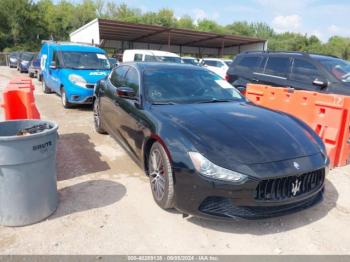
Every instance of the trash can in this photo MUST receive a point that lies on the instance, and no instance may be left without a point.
(28, 186)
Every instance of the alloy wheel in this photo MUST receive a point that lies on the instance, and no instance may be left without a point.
(157, 175)
(97, 113)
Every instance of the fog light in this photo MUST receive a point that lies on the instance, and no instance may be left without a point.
(75, 98)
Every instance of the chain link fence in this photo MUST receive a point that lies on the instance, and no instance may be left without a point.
(4, 59)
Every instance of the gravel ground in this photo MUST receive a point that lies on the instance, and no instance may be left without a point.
(106, 206)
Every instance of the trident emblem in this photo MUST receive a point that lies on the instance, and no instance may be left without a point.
(296, 187)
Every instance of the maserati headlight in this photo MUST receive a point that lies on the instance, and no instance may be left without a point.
(77, 80)
(209, 169)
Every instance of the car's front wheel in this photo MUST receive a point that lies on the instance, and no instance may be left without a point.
(161, 176)
(45, 88)
(65, 102)
(97, 117)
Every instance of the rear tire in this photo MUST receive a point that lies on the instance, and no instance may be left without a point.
(161, 176)
(97, 117)
(66, 104)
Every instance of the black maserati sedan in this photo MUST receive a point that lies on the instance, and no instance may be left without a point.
(207, 150)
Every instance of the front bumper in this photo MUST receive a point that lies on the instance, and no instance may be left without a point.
(79, 95)
(200, 196)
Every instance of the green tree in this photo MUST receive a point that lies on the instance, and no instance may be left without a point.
(240, 28)
(185, 22)
(207, 25)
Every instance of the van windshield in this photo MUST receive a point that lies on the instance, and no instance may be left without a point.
(85, 60)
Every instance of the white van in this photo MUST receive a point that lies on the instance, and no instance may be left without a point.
(138, 55)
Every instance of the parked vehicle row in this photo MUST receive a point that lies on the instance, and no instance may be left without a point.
(320, 73)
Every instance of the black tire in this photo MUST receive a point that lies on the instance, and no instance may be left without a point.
(45, 88)
(40, 78)
(64, 100)
(31, 75)
(161, 177)
(97, 117)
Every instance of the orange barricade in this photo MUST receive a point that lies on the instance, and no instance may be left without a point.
(22, 81)
(19, 100)
(327, 114)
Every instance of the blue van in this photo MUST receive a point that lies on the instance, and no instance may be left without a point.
(71, 70)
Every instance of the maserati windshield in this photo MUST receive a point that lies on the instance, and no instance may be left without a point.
(85, 60)
(172, 86)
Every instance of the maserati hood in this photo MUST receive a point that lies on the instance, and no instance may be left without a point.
(239, 133)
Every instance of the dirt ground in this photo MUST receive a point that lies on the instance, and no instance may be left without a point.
(106, 206)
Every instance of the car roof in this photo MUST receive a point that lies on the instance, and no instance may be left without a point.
(152, 52)
(289, 53)
(159, 65)
(68, 46)
(213, 59)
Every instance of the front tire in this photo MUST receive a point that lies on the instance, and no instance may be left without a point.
(66, 104)
(45, 88)
(97, 117)
(161, 176)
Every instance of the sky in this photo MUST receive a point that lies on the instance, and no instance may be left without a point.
(322, 18)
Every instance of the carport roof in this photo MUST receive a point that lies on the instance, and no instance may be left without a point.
(153, 34)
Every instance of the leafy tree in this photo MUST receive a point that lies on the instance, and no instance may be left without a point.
(24, 23)
(240, 28)
(207, 25)
(185, 22)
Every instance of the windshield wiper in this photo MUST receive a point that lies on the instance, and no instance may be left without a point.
(214, 100)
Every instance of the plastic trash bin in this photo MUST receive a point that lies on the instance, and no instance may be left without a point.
(28, 186)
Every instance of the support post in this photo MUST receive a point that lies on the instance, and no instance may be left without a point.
(169, 41)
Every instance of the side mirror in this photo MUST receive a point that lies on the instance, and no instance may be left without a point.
(320, 82)
(126, 92)
(53, 65)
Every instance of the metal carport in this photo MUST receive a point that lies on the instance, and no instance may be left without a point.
(121, 35)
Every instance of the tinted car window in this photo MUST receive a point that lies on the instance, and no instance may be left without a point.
(150, 58)
(117, 76)
(339, 68)
(277, 66)
(304, 71)
(137, 57)
(249, 63)
(132, 80)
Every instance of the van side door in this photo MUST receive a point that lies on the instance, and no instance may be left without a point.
(54, 73)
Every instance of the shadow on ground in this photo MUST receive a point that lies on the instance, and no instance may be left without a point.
(76, 156)
(88, 195)
(278, 224)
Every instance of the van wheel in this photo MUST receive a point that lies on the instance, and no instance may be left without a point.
(64, 100)
(161, 176)
(45, 88)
